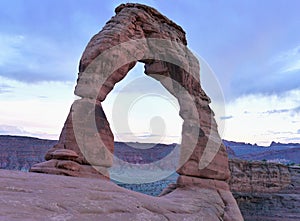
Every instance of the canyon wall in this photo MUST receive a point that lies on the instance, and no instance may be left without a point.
(266, 191)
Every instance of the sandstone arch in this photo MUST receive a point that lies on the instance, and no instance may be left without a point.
(85, 147)
(137, 33)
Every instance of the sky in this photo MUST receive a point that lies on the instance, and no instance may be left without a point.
(249, 54)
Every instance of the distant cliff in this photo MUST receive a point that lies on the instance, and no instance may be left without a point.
(258, 176)
(266, 191)
(20, 153)
(276, 152)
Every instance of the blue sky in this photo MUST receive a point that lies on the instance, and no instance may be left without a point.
(253, 47)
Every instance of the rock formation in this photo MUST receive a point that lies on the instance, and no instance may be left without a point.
(20, 153)
(138, 33)
(52, 197)
(266, 191)
(142, 23)
(259, 177)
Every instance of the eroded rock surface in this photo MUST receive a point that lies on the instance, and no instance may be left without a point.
(259, 177)
(33, 196)
(266, 191)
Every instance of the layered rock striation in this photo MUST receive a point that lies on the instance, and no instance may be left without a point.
(266, 191)
(257, 176)
(20, 153)
(138, 33)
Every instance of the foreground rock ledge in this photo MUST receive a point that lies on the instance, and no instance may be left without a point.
(32, 196)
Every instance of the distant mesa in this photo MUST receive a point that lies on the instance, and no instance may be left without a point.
(284, 153)
(274, 144)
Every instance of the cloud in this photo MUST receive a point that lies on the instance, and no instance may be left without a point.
(9, 130)
(43, 97)
(280, 132)
(291, 110)
(146, 137)
(271, 74)
(5, 88)
(296, 110)
(19, 131)
(266, 82)
(294, 66)
(276, 111)
(43, 42)
(226, 117)
(293, 139)
(267, 117)
(289, 60)
(34, 59)
(298, 132)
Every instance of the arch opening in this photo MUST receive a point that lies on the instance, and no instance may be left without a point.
(153, 130)
(152, 112)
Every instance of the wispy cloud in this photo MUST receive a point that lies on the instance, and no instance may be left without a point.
(294, 66)
(288, 60)
(279, 111)
(279, 132)
(276, 111)
(5, 88)
(146, 137)
(226, 117)
(8, 129)
(274, 73)
(34, 59)
(293, 139)
(262, 118)
(296, 110)
(19, 131)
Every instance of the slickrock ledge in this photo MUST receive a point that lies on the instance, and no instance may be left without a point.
(33, 196)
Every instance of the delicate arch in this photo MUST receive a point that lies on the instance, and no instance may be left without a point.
(137, 33)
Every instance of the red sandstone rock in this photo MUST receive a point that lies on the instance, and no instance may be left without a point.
(258, 177)
(51, 197)
(64, 154)
(138, 33)
(166, 59)
(266, 191)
